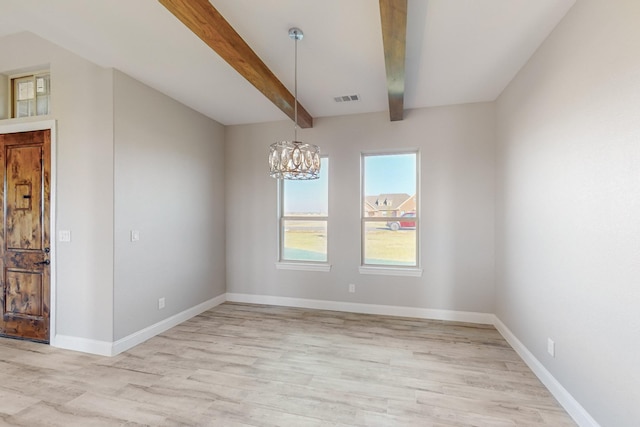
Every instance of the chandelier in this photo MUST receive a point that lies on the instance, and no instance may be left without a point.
(294, 159)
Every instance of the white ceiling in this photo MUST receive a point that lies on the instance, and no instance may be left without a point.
(458, 51)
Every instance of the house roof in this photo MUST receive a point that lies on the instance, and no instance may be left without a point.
(387, 202)
(410, 199)
(457, 51)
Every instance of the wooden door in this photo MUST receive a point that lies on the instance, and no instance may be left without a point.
(24, 235)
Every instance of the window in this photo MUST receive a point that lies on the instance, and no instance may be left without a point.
(304, 211)
(390, 219)
(31, 95)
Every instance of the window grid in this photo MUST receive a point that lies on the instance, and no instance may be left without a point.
(394, 238)
(307, 234)
(31, 95)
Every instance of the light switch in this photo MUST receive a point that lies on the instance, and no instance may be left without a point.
(135, 235)
(551, 347)
(64, 235)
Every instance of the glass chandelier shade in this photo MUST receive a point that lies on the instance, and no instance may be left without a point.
(295, 159)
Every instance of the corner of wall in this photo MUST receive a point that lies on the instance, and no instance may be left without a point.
(568, 402)
(4, 97)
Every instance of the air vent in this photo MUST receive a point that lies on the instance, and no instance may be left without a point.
(347, 98)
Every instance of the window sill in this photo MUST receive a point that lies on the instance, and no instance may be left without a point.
(392, 271)
(301, 266)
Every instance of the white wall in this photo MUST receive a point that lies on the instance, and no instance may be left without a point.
(81, 102)
(457, 186)
(169, 185)
(568, 207)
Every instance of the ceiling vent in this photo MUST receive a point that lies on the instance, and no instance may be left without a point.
(347, 98)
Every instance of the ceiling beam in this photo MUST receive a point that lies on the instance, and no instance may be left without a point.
(393, 15)
(211, 27)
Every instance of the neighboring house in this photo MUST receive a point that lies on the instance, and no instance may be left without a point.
(392, 204)
(409, 205)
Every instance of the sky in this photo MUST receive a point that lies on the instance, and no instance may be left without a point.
(394, 173)
(390, 174)
(308, 196)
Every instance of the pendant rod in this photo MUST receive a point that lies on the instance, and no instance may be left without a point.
(296, 34)
(295, 92)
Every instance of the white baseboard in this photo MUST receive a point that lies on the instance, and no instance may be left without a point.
(105, 348)
(85, 345)
(142, 335)
(386, 310)
(575, 410)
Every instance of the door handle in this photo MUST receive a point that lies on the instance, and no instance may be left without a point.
(45, 262)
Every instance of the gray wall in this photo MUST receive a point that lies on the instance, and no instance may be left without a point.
(169, 185)
(5, 102)
(457, 161)
(82, 104)
(568, 207)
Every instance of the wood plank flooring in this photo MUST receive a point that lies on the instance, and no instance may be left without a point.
(251, 365)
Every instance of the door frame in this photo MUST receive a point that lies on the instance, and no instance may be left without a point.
(13, 126)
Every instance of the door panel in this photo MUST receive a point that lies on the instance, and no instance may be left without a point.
(23, 202)
(24, 235)
(23, 295)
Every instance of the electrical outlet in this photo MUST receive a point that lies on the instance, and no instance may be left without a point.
(551, 347)
(352, 288)
(64, 235)
(160, 303)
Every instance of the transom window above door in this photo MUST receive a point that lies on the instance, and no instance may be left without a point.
(31, 95)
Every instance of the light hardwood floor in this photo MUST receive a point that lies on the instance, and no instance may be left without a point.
(250, 365)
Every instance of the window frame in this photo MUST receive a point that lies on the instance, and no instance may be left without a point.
(389, 269)
(12, 98)
(292, 264)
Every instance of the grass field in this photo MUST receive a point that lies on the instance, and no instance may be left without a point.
(383, 246)
(312, 241)
(307, 240)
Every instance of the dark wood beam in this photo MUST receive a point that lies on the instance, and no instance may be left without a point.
(393, 14)
(211, 27)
